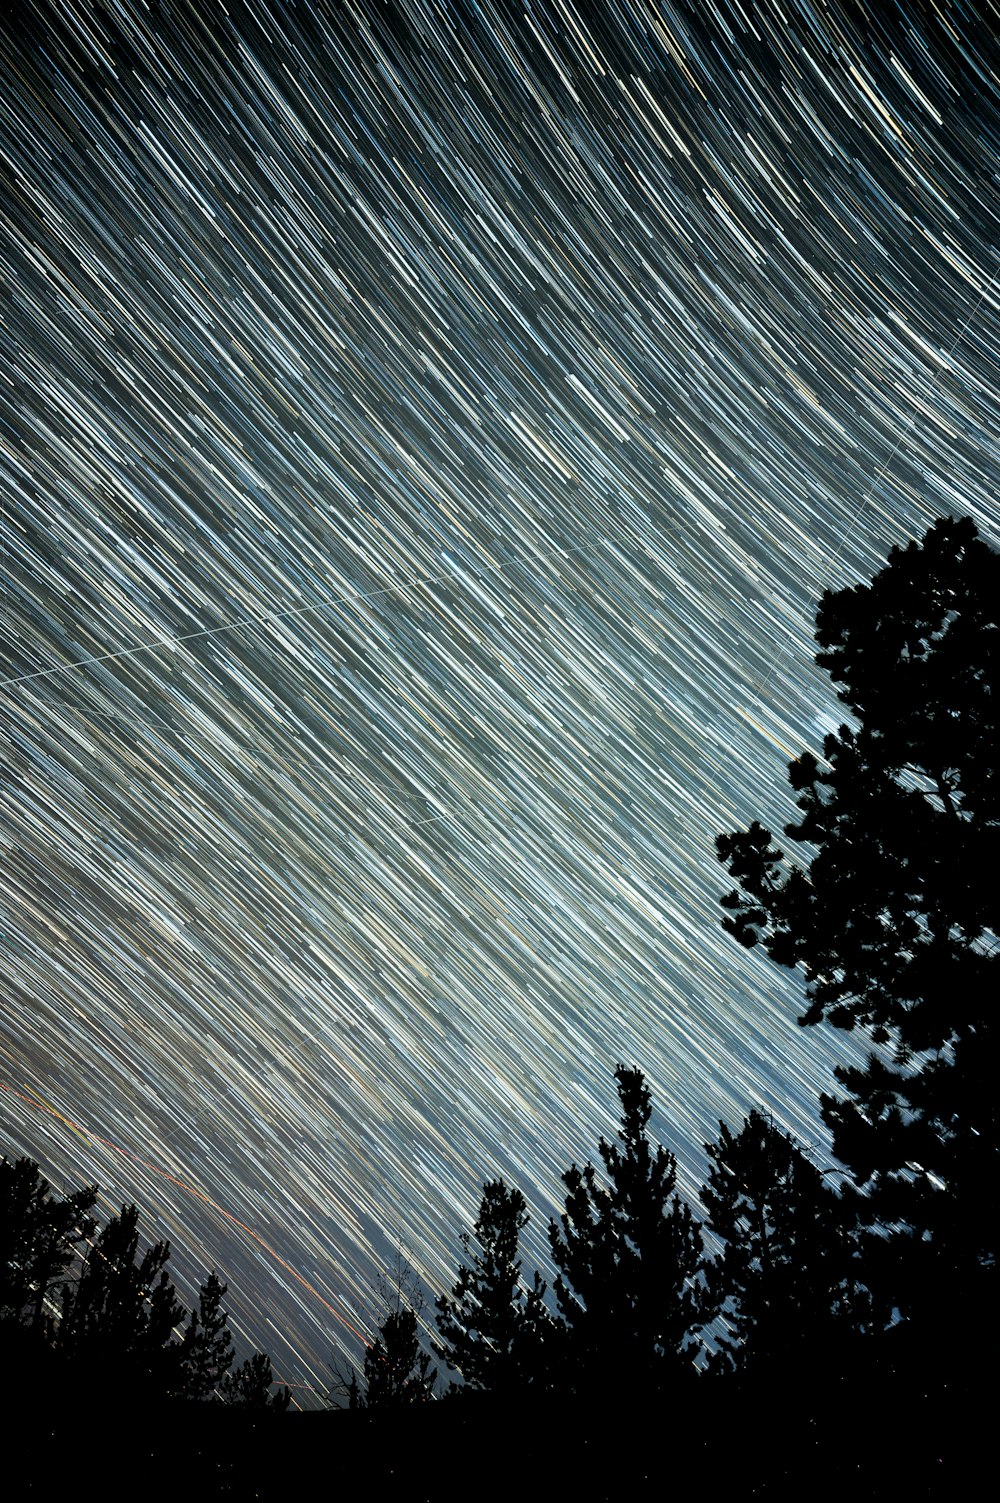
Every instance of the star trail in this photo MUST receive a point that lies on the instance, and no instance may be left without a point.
(426, 432)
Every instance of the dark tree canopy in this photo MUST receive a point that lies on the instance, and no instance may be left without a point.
(894, 916)
(206, 1353)
(397, 1372)
(249, 1386)
(785, 1277)
(85, 1311)
(492, 1326)
(627, 1254)
(119, 1316)
(40, 1236)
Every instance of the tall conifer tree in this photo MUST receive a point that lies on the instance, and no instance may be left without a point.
(119, 1316)
(40, 1236)
(492, 1326)
(628, 1252)
(206, 1353)
(895, 916)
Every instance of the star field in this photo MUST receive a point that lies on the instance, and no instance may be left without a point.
(426, 432)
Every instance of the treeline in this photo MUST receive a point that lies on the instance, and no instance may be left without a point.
(879, 1263)
(81, 1305)
(788, 1271)
(633, 1298)
(636, 1290)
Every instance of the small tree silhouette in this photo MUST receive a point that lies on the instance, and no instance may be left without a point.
(249, 1386)
(396, 1371)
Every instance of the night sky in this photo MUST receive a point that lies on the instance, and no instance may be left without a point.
(426, 432)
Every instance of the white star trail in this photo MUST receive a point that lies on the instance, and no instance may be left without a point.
(426, 432)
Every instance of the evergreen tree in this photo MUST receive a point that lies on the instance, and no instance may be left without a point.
(628, 1253)
(119, 1316)
(206, 1353)
(40, 1235)
(895, 917)
(397, 1372)
(492, 1327)
(249, 1386)
(785, 1277)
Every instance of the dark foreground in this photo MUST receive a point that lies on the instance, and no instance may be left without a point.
(884, 1436)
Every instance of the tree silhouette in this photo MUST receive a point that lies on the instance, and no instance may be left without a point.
(894, 919)
(103, 1320)
(492, 1327)
(40, 1235)
(118, 1318)
(397, 1372)
(785, 1277)
(249, 1386)
(628, 1253)
(206, 1353)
